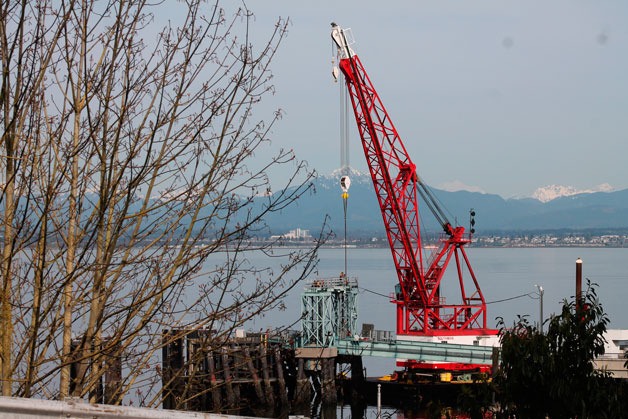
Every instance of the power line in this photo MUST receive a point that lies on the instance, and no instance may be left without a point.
(512, 298)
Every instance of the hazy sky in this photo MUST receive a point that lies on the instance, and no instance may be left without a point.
(501, 96)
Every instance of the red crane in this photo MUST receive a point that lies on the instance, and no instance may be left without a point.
(422, 310)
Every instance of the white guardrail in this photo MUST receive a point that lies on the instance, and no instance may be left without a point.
(20, 408)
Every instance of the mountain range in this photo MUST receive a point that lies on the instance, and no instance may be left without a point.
(552, 208)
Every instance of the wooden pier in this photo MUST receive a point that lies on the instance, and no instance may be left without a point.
(254, 372)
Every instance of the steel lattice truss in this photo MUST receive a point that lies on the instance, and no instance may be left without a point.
(329, 311)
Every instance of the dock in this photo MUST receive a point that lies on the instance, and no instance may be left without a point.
(272, 372)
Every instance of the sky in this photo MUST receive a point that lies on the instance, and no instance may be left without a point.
(496, 96)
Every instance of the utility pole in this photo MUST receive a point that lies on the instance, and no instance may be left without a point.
(578, 284)
(540, 288)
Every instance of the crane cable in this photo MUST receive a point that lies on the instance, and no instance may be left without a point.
(345, 182)
(432, 203)
(345, 195)
(530, 295)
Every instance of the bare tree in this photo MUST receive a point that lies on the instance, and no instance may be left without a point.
(129, 157)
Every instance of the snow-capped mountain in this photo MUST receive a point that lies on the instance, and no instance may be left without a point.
(551, 192)
(332, 180)
(347, 170)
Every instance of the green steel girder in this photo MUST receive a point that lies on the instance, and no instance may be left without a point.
(418, 351)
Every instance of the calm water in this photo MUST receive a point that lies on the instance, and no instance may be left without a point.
(504, 276)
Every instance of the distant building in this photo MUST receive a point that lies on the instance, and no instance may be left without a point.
(296, 234)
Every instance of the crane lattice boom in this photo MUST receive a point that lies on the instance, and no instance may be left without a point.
(421, 309)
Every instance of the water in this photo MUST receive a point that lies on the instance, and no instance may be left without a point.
(507, 277)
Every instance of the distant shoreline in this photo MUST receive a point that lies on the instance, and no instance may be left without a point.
(472, 245)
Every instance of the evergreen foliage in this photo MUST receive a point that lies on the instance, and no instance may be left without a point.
(553, 374)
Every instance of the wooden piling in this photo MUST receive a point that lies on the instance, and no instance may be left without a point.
(266, 375)
(254, 376)
(213, 382)
(303, 393)
(246, 373)
(172, 364)
(231, 399)
(357, 378)
(283, 394)
(328, 380)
